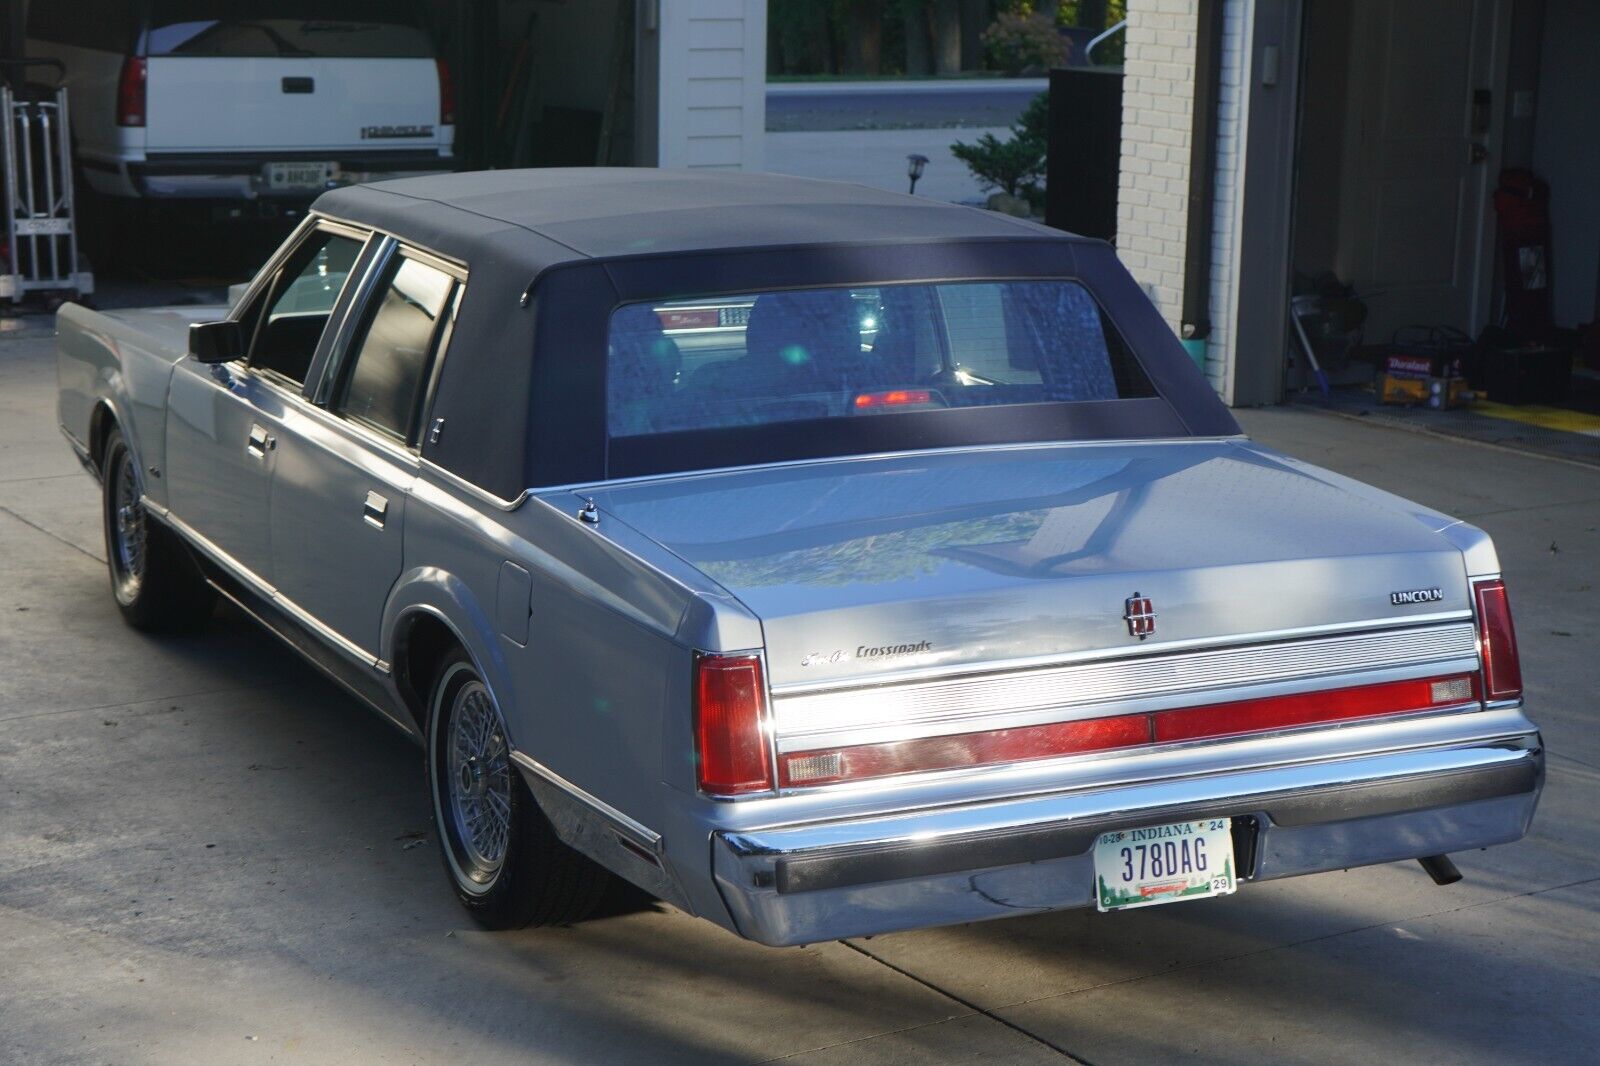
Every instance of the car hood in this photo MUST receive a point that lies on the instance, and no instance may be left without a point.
(891, 565)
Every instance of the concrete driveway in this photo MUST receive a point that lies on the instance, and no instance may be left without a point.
(208, 854)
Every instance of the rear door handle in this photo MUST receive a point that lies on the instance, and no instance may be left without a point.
(260, 443)
(376, 511)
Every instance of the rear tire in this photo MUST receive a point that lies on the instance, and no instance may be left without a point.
(154, 580)
(504, 860)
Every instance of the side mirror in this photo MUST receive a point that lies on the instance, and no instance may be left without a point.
(216, 342)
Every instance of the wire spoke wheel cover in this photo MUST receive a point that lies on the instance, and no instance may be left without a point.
(126, 524)
(474, 775)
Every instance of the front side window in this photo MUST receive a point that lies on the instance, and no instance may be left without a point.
(392, 357)
(299, 304)
(845, 353)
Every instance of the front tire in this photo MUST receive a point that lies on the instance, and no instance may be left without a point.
(505, 862)
(156, 584)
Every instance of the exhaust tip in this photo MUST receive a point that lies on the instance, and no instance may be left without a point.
(1441, 869)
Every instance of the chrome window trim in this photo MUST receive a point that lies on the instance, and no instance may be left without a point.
(877, 713)
(339, 346)
(449, 262)
(290, 244)
(267, 591)
(460, 484)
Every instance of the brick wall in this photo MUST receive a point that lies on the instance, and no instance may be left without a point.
(1153, 191)
(1157, 117)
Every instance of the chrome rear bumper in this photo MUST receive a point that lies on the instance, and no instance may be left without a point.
(806, 883)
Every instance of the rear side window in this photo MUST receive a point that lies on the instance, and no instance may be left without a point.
(394, 355)
(287, 28)
(807, 354)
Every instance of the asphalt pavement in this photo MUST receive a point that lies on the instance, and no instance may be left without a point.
(208, 854)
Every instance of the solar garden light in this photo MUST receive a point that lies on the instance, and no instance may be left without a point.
(915, 165)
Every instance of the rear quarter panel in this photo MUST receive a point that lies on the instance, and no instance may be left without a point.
(103, 360)
(590, 662)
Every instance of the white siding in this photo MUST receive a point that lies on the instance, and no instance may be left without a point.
(712, 93)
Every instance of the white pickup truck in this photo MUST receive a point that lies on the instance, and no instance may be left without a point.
(246, 107)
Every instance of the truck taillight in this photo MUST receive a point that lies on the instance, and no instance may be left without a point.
(130, 92)
(447, 94)
(1497, 641)
(730, 703)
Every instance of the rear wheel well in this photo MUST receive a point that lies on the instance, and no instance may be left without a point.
(101, 423)
(420, 651)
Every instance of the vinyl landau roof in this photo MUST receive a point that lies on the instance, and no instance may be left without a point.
(561, 214)
(521, 395)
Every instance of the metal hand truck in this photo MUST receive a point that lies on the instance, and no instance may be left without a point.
(41, 249)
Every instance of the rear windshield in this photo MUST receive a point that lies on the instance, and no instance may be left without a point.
(287, 28)
(796, 355)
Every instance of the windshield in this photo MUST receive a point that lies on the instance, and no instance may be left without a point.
(846, 353)
(295, 28)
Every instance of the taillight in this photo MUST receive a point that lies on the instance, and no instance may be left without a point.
(893, 398)
(447, 94)
(1497, 641)
(824, 766)
(130, 92)
(730, 725)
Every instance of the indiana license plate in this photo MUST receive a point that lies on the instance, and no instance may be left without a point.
(298, 177)
(1164, 864)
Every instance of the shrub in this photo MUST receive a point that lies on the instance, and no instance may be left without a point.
(1015, 165)
(1016, 43)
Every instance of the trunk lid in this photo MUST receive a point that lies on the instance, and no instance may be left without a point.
(882, 568)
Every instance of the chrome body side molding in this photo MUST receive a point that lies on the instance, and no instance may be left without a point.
(605, 834)
(250, 580)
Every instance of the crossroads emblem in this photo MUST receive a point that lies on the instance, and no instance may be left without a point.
(1140, 616)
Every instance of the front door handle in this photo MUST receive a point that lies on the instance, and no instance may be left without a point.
(376, 511)
(260, 443)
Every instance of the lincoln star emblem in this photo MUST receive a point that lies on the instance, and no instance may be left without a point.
(1140, 616)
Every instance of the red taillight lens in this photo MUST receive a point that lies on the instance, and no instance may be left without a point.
(447, 94)
(1497, 641)
(827, 766)
(130, 92)
(1313, 708)
(730, 725)
(893, 398)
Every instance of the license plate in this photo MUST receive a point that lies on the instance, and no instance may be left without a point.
(298, 177)
(1163, 864)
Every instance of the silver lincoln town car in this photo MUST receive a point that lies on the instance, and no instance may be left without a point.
(822, 561)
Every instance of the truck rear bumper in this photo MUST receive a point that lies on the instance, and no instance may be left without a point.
(241, 176)
(806, 883)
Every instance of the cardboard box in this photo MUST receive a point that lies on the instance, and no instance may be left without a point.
(1440, 393)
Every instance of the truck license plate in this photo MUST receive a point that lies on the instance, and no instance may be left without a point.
(1163, 864)
(298, 177)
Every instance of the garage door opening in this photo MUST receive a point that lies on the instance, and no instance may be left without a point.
(1411, 114)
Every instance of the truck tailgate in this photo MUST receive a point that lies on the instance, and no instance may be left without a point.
(291, 103)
